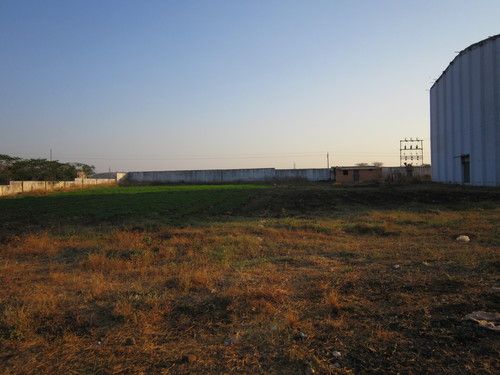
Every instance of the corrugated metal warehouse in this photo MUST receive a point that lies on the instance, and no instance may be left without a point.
(465, 117)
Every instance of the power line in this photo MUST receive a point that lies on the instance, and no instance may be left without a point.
(225, 157)
(237, 156)
(234, 157)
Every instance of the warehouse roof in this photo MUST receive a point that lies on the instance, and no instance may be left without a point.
(465, 50)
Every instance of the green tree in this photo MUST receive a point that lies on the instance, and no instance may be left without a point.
(85, 169)
(14, 168)
(42, 170)
(6, 162)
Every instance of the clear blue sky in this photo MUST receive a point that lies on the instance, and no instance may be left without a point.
(145, 85)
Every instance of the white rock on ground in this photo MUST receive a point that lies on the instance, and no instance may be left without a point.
(463, 238)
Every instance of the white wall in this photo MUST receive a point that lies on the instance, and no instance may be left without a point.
(228, 175)
(17, 187)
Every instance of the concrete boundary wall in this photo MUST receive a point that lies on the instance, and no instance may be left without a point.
(308, 174)
(18, 187)
(217, 176)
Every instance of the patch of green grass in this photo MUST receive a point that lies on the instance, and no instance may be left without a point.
(156, 189)
(251, 263)
(126, 205)
(221, 254)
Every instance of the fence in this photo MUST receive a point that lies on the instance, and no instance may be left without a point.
(18, 187)
(398, 173)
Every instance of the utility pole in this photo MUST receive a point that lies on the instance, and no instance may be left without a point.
(50, 155)
(328, 160)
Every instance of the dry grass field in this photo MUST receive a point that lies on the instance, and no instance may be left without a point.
(249, 279)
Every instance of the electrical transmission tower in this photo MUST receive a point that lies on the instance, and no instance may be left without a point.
(411, 151)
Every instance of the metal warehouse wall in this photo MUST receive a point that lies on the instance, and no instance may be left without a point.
(465, 116)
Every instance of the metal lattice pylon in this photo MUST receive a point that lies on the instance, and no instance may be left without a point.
(411, 151)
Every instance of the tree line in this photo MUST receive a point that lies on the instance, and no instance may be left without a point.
(18, 169)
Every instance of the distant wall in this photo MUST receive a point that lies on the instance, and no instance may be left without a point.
(228, 175)
(109, 175)
(18, 187)
(309, 174)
